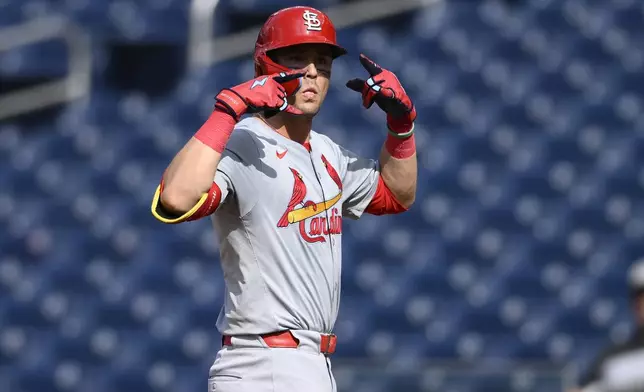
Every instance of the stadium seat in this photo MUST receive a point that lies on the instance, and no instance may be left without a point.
(528, 212)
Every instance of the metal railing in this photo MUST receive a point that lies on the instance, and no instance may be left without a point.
(75, 85)
(205, 50)
(430, 376)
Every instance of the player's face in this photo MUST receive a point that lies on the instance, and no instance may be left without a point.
(317, 61)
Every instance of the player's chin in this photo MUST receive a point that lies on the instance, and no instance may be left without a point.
(309, 108)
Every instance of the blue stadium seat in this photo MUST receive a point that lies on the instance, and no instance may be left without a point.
(527, 215)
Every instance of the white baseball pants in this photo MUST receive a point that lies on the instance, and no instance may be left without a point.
(249, 365)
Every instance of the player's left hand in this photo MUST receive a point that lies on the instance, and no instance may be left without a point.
(384, 88)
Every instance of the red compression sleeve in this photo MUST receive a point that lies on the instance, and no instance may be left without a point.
(216, 131)
(400, 148)
(384, 202)
(210, 204)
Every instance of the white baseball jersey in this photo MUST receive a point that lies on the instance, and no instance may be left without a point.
(280, 227)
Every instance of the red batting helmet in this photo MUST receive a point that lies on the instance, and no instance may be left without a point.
(293, 26)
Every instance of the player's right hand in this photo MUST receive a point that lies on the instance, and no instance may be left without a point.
(262, 94)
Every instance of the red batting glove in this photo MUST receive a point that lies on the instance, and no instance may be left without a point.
(262, 94)
(384, 88)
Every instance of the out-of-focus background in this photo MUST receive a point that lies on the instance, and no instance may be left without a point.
(508, 274)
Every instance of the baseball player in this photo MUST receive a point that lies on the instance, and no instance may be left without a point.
(277, 192)
(620, 367)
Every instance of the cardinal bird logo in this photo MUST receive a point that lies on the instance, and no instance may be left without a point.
(299, 192)
(302, 211)
(332, 173)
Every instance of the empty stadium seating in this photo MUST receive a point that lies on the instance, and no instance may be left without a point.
(529, 207)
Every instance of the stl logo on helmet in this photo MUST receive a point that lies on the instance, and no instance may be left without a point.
(314, 223)
(311, 21)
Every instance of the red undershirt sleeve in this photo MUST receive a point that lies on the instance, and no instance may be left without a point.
(384, 201)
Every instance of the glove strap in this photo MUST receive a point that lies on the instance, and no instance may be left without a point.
(232, 102)
(401, 126)
(403, 135)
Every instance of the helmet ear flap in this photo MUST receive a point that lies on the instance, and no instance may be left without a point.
(264, 65)
(258, 70)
